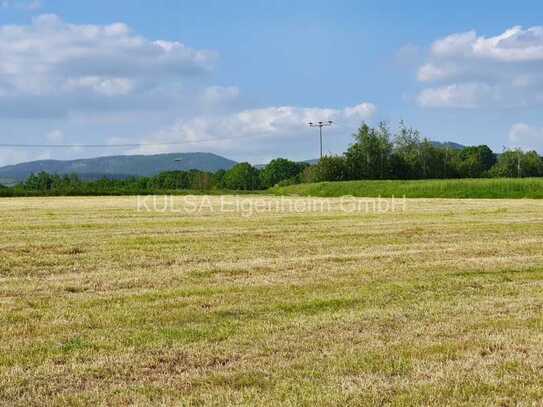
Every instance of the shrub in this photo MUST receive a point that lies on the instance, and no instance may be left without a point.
(329, 168)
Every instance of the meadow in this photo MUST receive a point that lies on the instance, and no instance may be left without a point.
(438, 302)
(481, 188)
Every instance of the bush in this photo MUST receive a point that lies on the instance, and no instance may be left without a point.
(329, 168)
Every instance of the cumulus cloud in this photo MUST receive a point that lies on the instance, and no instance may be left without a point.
(475, 71)
(101, 86)
(106, 84)
(454, 44)
(431, 72)
(515, 44)
(256, 131)
(526, 137)
(463, 96)
(51, 67)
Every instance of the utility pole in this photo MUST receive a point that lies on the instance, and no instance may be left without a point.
(320, 125)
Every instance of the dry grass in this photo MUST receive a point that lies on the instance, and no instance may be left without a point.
(103, 305)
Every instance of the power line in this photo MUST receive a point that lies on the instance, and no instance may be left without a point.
(133, 145)
(127, 145)
(136, 145)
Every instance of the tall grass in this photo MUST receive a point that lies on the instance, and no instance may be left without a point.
(500, 188)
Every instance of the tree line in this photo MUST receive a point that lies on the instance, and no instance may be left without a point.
(376, 154)
(241, 177)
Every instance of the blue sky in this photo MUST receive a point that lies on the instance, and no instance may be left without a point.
(250, 73)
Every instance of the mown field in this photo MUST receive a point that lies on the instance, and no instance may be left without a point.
(486, 188)
(102, 304)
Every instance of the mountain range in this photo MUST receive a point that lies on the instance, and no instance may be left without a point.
(122, 166)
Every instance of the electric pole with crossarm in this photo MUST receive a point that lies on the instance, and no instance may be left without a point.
(320, 125)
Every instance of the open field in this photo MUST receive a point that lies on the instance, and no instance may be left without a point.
(491, 188)
(439, 304)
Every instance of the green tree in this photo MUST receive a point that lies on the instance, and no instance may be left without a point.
(218, 179)
(200, 180)
(407, 161)
(242, 176)
(437, 162)
(171, 180)
(41, 182)
(475, 161)
(279, 170)
(518, 164)
(369, 157)
(415, 157)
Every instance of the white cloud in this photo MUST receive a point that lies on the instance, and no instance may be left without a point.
(430, 72)
(257, 132)
(455, 45)
(515, 44)
(51, 67)
(106, 82)
(359, 112)
(477, 71)
(466, 96)
(526, 137)
(101, 85)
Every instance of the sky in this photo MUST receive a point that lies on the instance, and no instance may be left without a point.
(242, 78)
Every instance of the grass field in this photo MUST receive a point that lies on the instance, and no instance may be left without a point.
(500, 188)
(101, 304)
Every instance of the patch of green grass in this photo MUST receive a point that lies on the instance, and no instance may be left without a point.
(314, 307)
(74, 345)
(503, 188)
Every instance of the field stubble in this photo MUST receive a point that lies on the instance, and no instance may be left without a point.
(103, 304)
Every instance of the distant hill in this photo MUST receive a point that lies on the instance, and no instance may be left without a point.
(117, 166)
(448, 144)
(311, 162)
